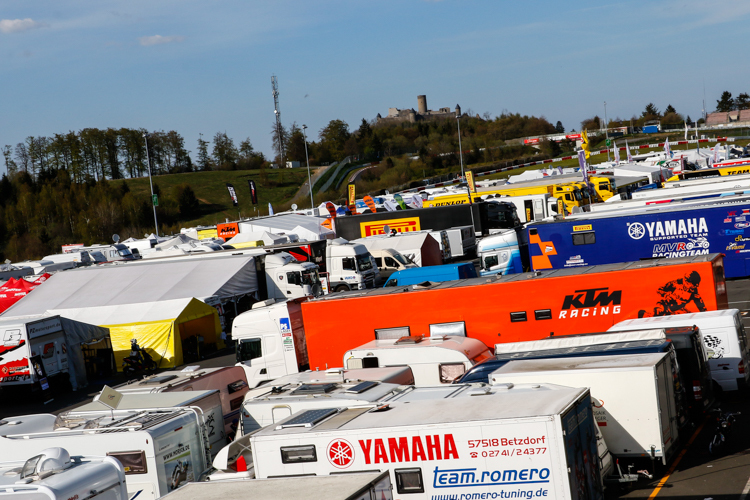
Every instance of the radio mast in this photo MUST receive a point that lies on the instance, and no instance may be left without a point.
(279, 133)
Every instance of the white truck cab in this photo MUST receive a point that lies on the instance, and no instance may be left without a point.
(349, 266)
(286, 278)
(389, 261)
(499, 254)
(433, 360)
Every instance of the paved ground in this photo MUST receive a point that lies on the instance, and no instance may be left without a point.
(692, 474)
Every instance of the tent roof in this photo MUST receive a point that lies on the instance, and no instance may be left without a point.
(180, 239)
(285, 223)
(77, 331)
(137, 313)
(142, 282)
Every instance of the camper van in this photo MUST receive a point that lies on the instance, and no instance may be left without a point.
(159, 449)
(55, 475)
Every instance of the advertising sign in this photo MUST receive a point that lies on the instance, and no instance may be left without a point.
(404, 225)
(227, 231)
(352, 201)
(232, 194)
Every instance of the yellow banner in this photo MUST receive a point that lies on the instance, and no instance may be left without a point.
(352, 196)
(406, 225)
(587, 227)
(470, 180)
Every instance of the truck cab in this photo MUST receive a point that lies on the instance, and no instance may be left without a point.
(349, 266)
(286, 278)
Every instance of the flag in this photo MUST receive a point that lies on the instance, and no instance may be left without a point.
(585, 143)
(470, 180)
(232, 194)
(370, 203)
(253, 192)
(627, 148)
(390, 205)
(559, 169)
(270, 209)
(716, 154)
(352, 197)
(617, 153)
(686, 131)
(582, 164)
(667, 151)
(400, 201)
(331, 209)
(416, 201)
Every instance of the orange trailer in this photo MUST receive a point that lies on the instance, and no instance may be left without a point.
(518, 307)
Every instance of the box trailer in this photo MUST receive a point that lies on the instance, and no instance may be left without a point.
(632, 395)
(54, 475)
(506, 441)
(209, 403)
(229, 381)
(501, 309)
(646, 233)
(363, 486)
(724, 340)
(159, 449)
(434, 360)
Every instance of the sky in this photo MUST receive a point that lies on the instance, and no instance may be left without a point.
(202, 67)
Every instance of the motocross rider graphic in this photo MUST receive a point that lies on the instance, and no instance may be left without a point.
(677, 296)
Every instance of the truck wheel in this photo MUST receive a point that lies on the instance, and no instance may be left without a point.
(341, 288)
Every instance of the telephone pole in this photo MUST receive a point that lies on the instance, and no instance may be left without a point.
(279, 128)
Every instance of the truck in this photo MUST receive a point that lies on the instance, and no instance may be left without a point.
(530, 207)
(364, 486)
(343, 263)
(208, 402)
(478, 446)
(500, 254)
(713, 173)
(503, 309)
(434, 360)
(646, 233)
(229, 381)
(486, 217)
(390, 260)
(632, 395)
(112, 253)
(159, 449)
(446, 272)
(724, 341)
(55, 475)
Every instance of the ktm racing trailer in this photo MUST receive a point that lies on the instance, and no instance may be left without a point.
(486, 217)
(650, 232)
(511, 308)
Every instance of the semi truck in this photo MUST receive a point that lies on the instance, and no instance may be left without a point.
(646, 233)
(510, 440)
(500, 309)
(54, 474)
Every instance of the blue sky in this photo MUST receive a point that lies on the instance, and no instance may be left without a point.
(205, 66)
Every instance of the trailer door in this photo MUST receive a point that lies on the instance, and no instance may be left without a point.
(538, 209)
(667, 410)
(581, 452)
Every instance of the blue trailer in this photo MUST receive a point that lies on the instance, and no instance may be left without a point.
(648, 233)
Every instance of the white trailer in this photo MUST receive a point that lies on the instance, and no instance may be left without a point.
(54, 475)
(364, 486)
(507, 441)
(433, 360)
(229, 381)
(24, 338)
(159, 449)
(724, 339)
(208, 401)
(420, 247)
(633, 397)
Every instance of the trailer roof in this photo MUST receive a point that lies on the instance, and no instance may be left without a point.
(169, 378)
(587, 339)
(627, 362)
(538, 275)
(661, 208)
(149, 400)
(503, 401)
(668, 321)
(343, 486)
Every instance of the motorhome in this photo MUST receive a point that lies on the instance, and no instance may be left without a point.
(159, 449)
(54, 474)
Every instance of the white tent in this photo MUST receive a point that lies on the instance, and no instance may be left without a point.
(289, 224)
(264, 236)
(142, 282)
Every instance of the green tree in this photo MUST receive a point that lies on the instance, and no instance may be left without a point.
(10, 165)
(334, 137)
(204, 160)
(742, 101)
(225, 153)
(559, 128)
(651, 112)
(186, 200)
(669, 109)
(725, 103)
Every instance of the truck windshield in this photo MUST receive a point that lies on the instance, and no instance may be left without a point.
(401, 259)
(577, 195)
(585, 193)
(502, 216)
(363, 262)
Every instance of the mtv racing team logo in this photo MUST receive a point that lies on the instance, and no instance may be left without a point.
(678, 296)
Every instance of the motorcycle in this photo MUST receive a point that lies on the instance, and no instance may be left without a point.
(723, 422)
(138, 361)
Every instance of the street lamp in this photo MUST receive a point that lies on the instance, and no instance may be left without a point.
(148, 164)
(460, 151)
(307, 159)
(606, 124)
